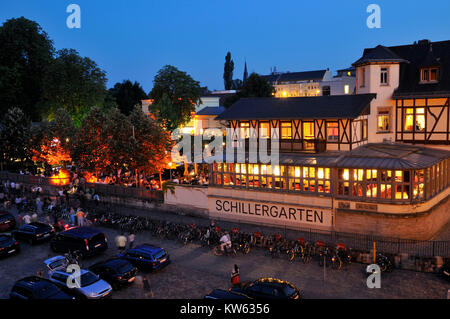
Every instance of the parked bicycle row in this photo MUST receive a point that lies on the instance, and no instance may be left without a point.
(234, 241)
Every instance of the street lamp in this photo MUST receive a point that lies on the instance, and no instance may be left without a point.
(170, 170)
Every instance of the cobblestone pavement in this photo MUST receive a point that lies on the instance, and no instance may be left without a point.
(195, 271)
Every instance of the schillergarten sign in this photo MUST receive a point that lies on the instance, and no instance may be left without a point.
(270, 212)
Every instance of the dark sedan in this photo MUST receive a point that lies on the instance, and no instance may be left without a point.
(117, 272)
(225, 294)
(34, 287)
(147, 257)
(34, 232)
(8, 246)
(269, 288)
(7, 221)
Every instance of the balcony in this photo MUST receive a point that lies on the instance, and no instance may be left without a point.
(296, 146)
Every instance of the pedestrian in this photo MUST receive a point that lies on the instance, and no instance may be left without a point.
(235, 276)
(121, 242)
(19, 219)
(80, 218)
(34, 217)
(131, 237)
(148, 292)
(26, 219)
(72, 216)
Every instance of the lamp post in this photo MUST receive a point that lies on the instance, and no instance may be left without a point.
(170, 170)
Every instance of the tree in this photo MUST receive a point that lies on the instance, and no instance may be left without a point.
(228, 72)
(237, 84)
(118, 133)
(25, 53)
(127, 95)
(90, 149)
(51, 142)
(75, 83)
(151, 144)
(15, 136)
(255, 86)
(175, 96)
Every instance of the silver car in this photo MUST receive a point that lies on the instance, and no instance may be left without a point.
(90, 285)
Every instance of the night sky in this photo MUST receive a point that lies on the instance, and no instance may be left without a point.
(133, 39)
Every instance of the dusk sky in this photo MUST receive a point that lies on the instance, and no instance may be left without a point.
(134, 39)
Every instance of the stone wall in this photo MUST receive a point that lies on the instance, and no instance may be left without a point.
(420, 226)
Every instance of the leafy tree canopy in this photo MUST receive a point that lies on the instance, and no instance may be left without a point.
(175, 96)
(255, 86)
(75, 83)
(25, 54)
(127, 95)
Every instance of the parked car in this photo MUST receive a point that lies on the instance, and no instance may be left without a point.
(8, 246)
(7, 221)
(34, 287)
(34, 232)
(269, 288)
(225, 294)
(91, 286)
(56, 263)
(147, 257)
(445, 270)
(117, 272)
(85, 240)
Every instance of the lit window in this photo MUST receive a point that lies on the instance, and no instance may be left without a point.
(332, 131)
(245, 128)
(364, 129)
(286, 130)
(428, 75)
(264, 129)
(383, 121)
(346, 89)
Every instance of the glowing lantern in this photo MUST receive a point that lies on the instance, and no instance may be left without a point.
(60, 179)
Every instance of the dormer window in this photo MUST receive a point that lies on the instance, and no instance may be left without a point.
(429, 75)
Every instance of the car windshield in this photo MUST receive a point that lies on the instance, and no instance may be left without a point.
(88, 278)
(47, 291)
(160, 254)
(58, 263)
(124, 268)
(4, 218)
(4, 239)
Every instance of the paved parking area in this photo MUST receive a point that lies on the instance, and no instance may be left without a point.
(195, 271)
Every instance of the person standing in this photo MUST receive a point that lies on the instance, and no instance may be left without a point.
(147, 289)
(19, 219)
(26, 219)
(235, 276)
(131, 237)
(121, 242)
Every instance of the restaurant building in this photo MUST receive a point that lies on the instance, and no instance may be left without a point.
(374, 162)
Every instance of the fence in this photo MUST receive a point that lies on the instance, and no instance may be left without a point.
(101, 189)
(388, 245)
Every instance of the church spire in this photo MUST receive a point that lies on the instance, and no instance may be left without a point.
(245, 72)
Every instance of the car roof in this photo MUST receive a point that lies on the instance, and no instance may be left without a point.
(275, 282)
(148, 248)
(33, 282)
(82, 232)
(225, 294)
(38, 224)
(111, 262)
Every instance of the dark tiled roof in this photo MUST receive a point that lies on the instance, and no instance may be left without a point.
(321, 107)
(379, 54)
(422, 55)
(412, 58)
(295, 76)
(211, 110)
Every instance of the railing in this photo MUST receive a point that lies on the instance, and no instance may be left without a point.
(297, 145)
(101, 189)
